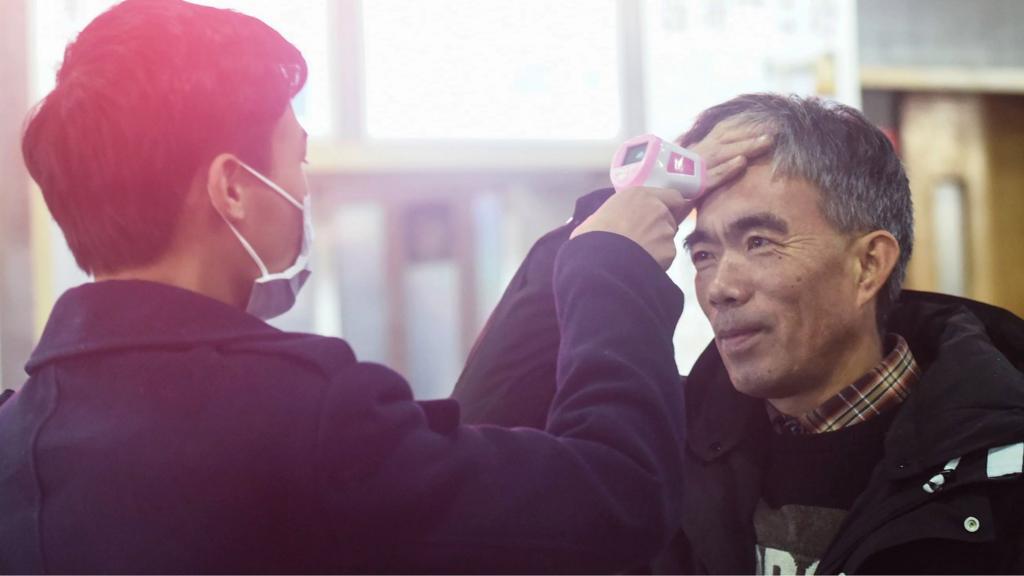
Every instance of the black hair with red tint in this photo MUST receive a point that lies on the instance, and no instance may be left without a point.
(147, 95)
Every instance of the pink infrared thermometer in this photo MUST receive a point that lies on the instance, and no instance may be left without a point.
(650, 161)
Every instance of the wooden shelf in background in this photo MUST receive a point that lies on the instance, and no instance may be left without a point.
(943, 79)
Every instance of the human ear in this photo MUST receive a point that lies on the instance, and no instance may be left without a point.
(877, 253)
(224, 186)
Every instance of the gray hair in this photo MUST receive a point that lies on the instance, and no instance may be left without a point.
(834, 147)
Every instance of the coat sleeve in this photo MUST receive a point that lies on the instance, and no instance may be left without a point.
(598, 491)
(509, 377)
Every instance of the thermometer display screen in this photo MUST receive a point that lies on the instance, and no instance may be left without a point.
(634, 154)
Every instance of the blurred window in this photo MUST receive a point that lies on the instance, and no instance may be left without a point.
(464, 69)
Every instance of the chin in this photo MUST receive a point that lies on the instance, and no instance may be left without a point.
(754, 388)
(751, 380)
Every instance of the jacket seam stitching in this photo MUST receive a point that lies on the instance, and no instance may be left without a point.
(38, 484)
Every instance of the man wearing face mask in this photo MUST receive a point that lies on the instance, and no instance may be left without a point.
(273, 294)
(165, 427)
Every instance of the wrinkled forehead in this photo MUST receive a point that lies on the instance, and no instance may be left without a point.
(763, 192)
(773, 157)
(755, 185)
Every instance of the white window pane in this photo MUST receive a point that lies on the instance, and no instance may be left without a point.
(488, 69)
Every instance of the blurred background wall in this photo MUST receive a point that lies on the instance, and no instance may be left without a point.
(449, 135)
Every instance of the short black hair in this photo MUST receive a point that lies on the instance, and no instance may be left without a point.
(861, 178)
(147, 95)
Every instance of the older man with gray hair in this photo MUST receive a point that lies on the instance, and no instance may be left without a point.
(836, 423)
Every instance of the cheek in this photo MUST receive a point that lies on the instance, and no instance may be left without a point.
(816, 306)
(294, 184)
(783, 283)
(791, 295)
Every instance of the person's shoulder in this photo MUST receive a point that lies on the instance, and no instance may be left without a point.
(924, 318)
(297, 351)
(315, 364)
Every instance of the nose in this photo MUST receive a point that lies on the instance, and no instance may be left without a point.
(729, 287)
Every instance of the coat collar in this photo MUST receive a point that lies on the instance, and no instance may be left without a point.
(956, 341)
(121, 314)
(971, 394)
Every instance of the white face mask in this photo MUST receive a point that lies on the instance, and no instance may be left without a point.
(274, 294)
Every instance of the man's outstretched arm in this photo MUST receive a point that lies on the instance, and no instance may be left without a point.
(509, 377)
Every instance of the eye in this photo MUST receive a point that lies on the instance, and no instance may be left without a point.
(699, 256)
(755, 242)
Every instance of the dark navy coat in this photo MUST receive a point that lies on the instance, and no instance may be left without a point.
(162, 431)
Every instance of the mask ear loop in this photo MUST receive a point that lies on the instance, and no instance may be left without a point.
(248, 248)
(245, 243)
(271, 184)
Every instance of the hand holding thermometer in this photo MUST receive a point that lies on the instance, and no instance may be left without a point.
(650, 161)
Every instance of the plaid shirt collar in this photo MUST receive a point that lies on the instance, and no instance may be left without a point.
(885, 386)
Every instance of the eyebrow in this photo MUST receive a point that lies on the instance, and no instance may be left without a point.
(759, 221)
(695, 237)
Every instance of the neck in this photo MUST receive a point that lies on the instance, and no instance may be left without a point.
(190, 271)
(864, 354)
